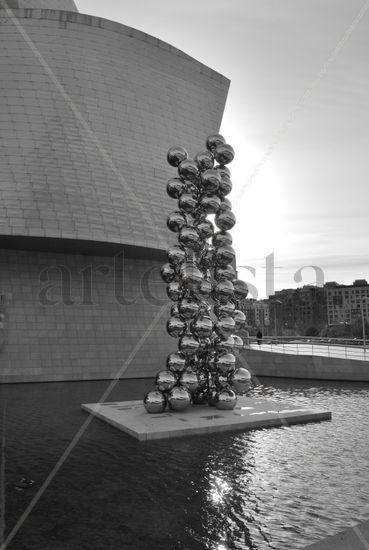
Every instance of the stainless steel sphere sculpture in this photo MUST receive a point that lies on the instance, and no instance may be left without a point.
(202, 283)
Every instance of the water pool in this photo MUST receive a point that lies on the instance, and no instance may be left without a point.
(281, 488)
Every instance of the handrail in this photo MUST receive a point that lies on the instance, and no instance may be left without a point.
(344, 348)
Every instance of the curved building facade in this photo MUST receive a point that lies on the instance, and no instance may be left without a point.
(89, 109)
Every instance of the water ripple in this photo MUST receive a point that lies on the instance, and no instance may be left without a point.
(267, 489)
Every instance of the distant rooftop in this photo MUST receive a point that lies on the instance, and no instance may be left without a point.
(62, 5)
(357, 282)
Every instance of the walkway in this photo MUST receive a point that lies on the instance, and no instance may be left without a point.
(307, 348)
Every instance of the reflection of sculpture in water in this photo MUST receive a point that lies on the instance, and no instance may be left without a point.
(202, 283)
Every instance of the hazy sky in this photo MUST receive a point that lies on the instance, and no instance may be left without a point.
(297, 115)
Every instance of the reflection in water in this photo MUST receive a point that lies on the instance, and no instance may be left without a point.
(278, 489)
(218, 489)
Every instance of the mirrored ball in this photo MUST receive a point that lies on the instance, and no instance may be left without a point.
(175, 188)
(167, 273)
(174, 291)
(225, 326)
(214, 141)
(210, 204)
(240, 289)
(224, 153)
(188, 345)
(204, 160)
(189, 380)
(225, 400)
(225, 364)
(175, 221)
(179, 398)
(222, 238)
(241, 380)
(188, 308)
(165, 380)
(176, 363)
(176, 155)
(225, 220)
(175, 327)
(155, 402)
(210, 181)
(188, 170)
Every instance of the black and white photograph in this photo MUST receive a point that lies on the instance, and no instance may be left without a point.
(184, 275)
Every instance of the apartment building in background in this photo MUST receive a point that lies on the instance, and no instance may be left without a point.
(347, 303)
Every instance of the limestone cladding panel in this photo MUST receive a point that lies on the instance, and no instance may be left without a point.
(88, 110)
(67, 5)
(68, 317)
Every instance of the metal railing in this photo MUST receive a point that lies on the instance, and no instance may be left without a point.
(342, 348)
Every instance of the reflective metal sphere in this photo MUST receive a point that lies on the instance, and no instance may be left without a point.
(189, 237)
(225, 205)
(224, 327)
(224, 309)
(165, 380)
(167, 273)
(224, 255)
(175, 221)
(188, 203)
(225, 346)
(191, 276)
(238, 344)
(225, 364)
(241, 380)
(188, 308)
(224, 153)
(213, 141)
(223, 291)
(155, 402)
(176, 155)
(210, 181)
(189, 380)
(205, 229)
(240, 289)
(204, 160)
(179, 398)
(225, 220)
(222, 238)
(227, 272)
(188, 170)
(176, 363)
(175, 188)
(174, 291)
(240, 319)
(223, 170)
(225, 400)
(225, 186)
(176, 255)
(175, 327)
(188, 345)
(205, 288)
(202, 327)
(210, 205)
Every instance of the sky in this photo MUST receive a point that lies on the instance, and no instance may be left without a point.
(297, 115)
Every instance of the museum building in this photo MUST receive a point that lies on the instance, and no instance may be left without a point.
(89, 108)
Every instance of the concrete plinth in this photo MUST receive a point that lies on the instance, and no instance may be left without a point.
(249, 414)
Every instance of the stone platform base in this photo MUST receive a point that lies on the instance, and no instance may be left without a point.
(249, 414)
